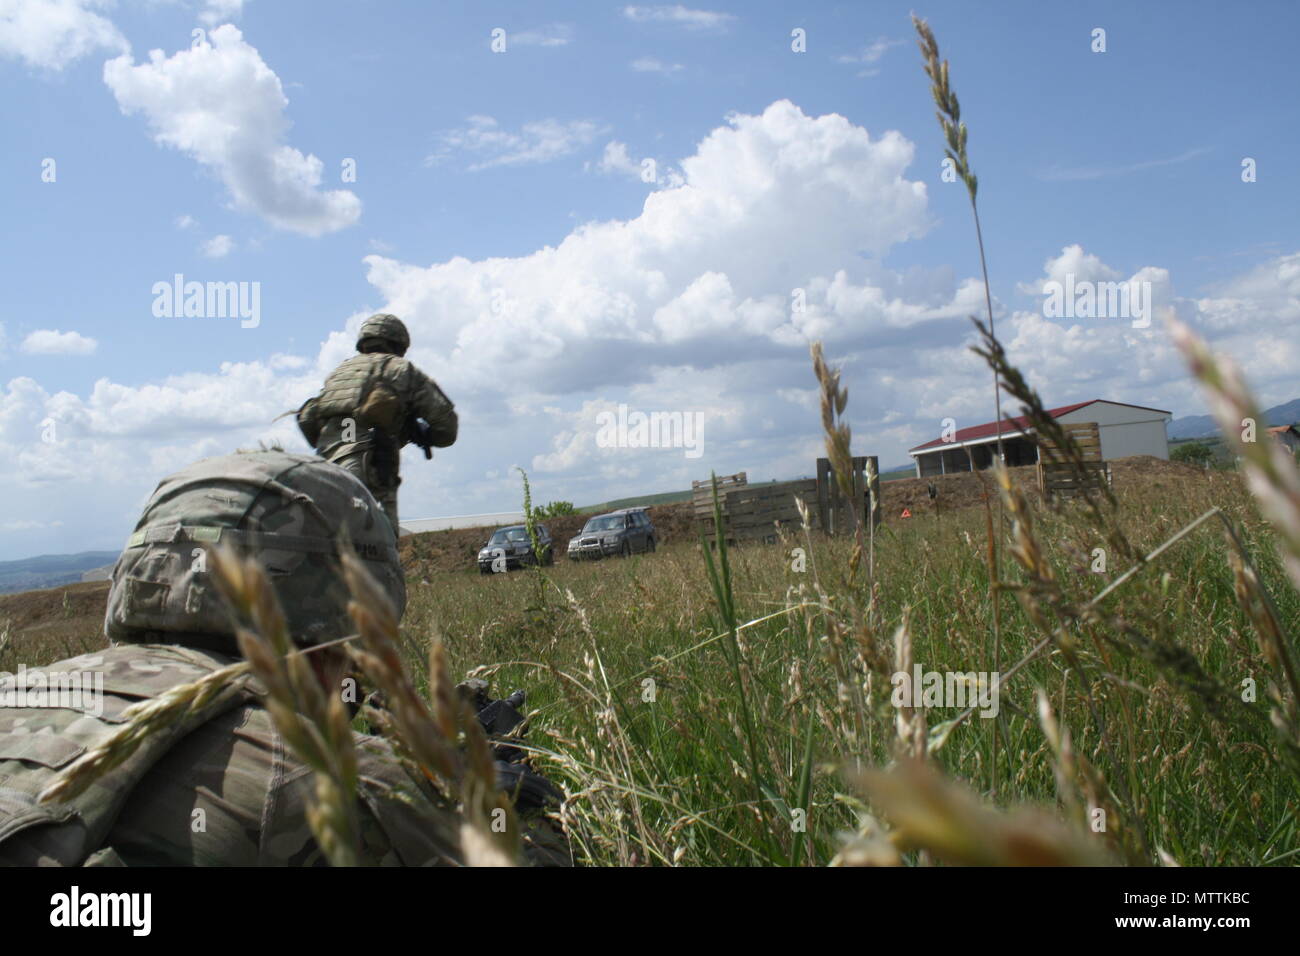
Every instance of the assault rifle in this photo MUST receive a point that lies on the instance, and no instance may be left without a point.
(419, 433)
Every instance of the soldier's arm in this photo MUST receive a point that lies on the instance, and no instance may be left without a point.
(430, 403)
(309, 422)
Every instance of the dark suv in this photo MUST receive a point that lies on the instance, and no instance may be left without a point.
(510, 548)
(619, 532)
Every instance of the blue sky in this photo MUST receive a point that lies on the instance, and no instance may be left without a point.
(514, 177)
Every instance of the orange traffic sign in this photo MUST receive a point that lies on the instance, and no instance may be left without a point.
(906, 513)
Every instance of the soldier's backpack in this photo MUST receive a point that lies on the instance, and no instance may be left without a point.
(359, 387)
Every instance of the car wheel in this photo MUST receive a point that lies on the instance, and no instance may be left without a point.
(650, 544)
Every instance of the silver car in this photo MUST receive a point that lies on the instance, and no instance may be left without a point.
(619, 532)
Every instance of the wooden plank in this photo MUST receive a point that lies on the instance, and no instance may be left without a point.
(787, 500)
(1086, 436)
(702, 498)
(1065, 468)
(1057, 478)
(734, 501)
(705, 484)
(768, 501)
(754, 513)
(767, 518)
(765, 515)
(799, 484)
(786, 507)
(767, 525)
(823, 494)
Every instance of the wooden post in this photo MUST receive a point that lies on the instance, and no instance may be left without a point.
(824, 494)
(860, 488)
(835, 511)
(874, 489)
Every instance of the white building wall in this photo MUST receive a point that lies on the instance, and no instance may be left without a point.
(1125, 430)
(492, 520)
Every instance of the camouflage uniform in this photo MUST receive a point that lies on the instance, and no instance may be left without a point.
(221, 786)
(346, 426)
(225, 793)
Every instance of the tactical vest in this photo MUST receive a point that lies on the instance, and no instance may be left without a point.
(359, 388)
(41, 735)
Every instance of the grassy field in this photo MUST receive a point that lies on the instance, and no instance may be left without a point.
(681, 742)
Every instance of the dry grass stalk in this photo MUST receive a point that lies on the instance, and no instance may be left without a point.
(909, 720)
(1273, 646)
(430, 737)
(932, 813)
(1271, 473)
(834, 399)
(1273, 479)
(869, 846)
(1077, 777)
(315, 724)
(948, 113)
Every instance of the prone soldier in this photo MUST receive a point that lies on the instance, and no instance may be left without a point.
(221, 787)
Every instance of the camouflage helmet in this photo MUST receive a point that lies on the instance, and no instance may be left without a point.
(387, 327)
(287, 511)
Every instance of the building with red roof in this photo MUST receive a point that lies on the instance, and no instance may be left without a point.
(1125, 430)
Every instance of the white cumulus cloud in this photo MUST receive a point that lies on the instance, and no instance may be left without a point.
(1072, 262)
(54, 342)
(51, 34)
(222, 105)
(221, 11)
(704, 301)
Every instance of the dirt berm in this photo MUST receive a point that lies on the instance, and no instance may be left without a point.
(456, 550)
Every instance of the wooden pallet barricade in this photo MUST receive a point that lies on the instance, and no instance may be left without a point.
(1057, 478)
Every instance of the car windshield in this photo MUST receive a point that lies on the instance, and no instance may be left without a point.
(606, 523)
(509, 535)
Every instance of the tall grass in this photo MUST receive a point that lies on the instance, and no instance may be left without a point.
(769, 700)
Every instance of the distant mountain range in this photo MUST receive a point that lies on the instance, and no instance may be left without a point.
(50, 570)
(1203, 426)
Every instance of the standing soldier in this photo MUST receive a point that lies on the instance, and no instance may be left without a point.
(372, 405)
